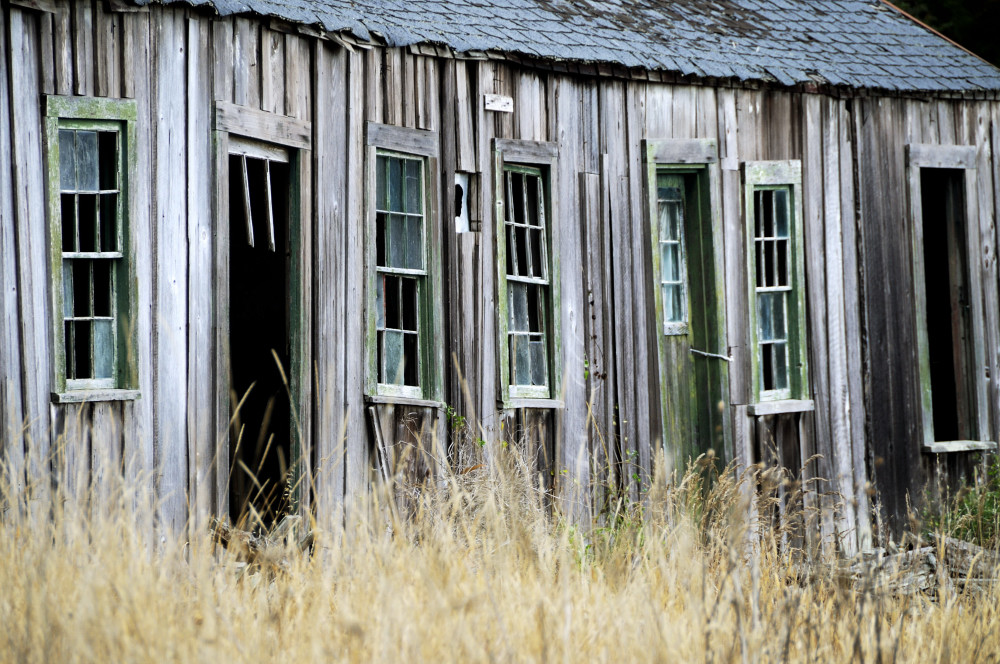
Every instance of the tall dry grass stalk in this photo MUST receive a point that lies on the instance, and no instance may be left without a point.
(483, 570)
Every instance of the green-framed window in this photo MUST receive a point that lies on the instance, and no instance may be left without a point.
(776, 280)
(527, 273)
(404, 299)
(91, 158)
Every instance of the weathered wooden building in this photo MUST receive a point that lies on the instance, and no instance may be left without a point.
(765, 227)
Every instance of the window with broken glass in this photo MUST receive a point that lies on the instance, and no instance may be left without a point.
(776, 275)
(401, 274)
(88, 159)
(90, 216)
(773, 285)
(528, 285)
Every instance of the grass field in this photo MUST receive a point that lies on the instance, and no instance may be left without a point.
(483, 572)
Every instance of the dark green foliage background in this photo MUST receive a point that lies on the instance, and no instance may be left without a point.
(972, 23)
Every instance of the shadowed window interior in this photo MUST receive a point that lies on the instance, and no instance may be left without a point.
(527, 262)
(400, 267)
(772, 284)
(91, 212)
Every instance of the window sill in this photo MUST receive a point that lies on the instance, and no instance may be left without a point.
(403, 401)
(526, 402)
(960, 446)
(83, 396)
(781, 407)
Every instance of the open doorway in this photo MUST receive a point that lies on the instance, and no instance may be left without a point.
(948, 306)
(259, 299)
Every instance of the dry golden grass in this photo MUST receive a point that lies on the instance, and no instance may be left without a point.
(484, 572)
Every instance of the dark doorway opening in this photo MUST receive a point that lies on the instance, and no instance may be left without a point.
(949, 335)
(260, 447)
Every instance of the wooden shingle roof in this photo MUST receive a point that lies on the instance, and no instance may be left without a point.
(850, 43)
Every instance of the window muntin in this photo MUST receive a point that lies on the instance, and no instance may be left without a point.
(772, 285)
(527, 270)
(91, 166)
(673, 258)
(777, 344)
(400, 256)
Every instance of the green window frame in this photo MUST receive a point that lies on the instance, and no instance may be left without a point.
(528, 331)
(90, 153)
(404, 294)
(776, 279)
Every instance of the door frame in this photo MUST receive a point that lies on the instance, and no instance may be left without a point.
(963, 158)
(294, 135)
(698, 156)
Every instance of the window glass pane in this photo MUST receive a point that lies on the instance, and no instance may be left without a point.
(108, 150)
(380, 302)
(672, 310)
(518, 307)
(395, 185)
(393, 355)
(68, 297)
(781, 216)
(538, 364)
(109, 213)
(81, 287)
(520, 360)
(778, 304)
(413, 187)
(104, 348)
(397, 241)
(670, 217)
(67, 160)
(770, 318)
(670, 261)
(780, 366)
(86, 160)
(414, 243)
(68, 212)
(380, 175)
(88, 221)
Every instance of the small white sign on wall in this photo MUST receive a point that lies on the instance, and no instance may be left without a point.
(499, 103)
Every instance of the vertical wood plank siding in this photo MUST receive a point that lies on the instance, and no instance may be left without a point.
(176, 62)
(11, 369)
